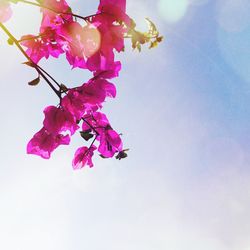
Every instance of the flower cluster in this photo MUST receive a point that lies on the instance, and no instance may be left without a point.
(79, 109)
(92, 47)
(88, 47)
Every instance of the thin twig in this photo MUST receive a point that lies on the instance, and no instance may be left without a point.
(38, 68)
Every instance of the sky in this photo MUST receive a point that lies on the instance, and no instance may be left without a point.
(183, 109)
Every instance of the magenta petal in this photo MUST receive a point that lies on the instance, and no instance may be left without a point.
(83, 157)
(58, 120)
(97, 120)
(110, 143)
(44, 143)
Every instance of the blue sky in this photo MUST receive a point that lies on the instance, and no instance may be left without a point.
(183, 109)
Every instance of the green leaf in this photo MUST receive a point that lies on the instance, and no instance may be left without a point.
(86, 135)
(34, 82)
(122, 154)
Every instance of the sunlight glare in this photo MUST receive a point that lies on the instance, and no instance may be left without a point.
(25, 20)
(173, 11)
(91, 39)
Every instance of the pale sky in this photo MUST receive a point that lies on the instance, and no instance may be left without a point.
(184, 112)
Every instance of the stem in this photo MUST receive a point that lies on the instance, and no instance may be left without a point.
(48, 81)
(92, 143)
(15, 41)
(55, 11)
(36, 4)
(53, 79)
(39, 70)
(97, 133)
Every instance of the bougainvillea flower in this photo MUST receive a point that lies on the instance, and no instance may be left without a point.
(49, 42)
(42, 46)
(83, 157)
(5, 11)
(91, 47)
(58, 15)
(58, 120)
(44, 143)
(110, 73)
(110, 20)
(115, 10)
(110, 143)
(88, 97)
(95, 91)
(96, 120)
(80, 42)
(73, 102)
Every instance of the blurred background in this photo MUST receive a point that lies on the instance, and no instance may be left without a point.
(183, 109)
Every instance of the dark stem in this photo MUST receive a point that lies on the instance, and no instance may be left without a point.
(97, 133)
(92, 143)
(52, 78)
(39, 70)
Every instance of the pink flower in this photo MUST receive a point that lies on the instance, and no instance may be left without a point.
(59, 6)
(5, 11)
(55, 17)
(49, 42)
(109, 21)
(73, 102)
(41, 46)
(88, 97)
(110, 143)
(111, 72)
(44, 143)
(58, 120)
(96, 120)
(92, 47)
(114, 9)
(80, 42)
(89, 47)
(95, 91)
(83, 157)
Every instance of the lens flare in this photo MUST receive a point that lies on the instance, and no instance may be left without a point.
(173, 11)
(233, 35)
(91, 40)
(83, 42)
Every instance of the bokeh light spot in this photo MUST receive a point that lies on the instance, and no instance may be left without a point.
(91, 40)
(172, 11)
(233, 35)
